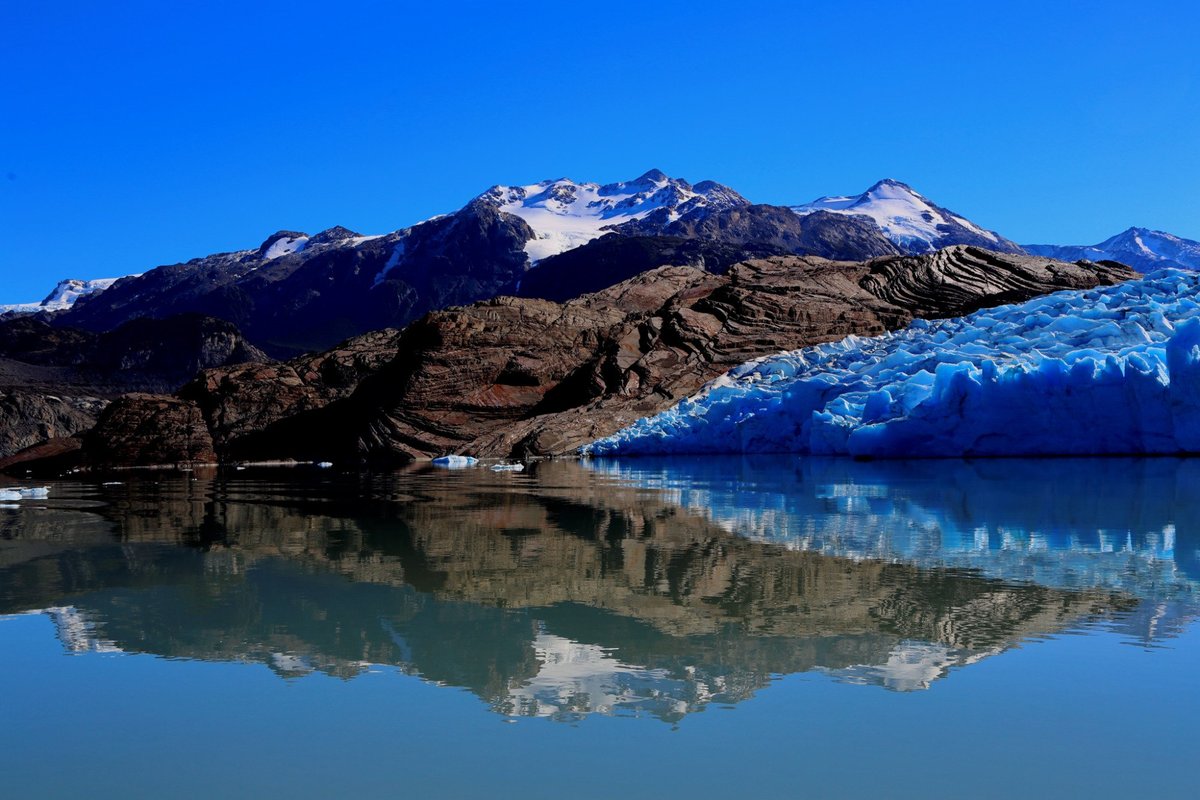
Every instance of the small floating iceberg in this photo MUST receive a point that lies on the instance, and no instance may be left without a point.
(34, 493)
(1107, 371)
(324, 464)
(455, 462)
(508, 467)
(9, 495)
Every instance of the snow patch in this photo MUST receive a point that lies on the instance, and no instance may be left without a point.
(565, 214)
(285, 246)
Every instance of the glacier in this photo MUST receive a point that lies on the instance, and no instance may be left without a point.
(1107, 371)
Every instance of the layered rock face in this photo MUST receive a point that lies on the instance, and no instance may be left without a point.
(240, 400)
(28, 418)
(150, 429)
(54, 382)
(521, 377)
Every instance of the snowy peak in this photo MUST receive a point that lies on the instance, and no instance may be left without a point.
(908, 219)
(282, 243)
(564, 214)
(1141, 248)
(64, 296)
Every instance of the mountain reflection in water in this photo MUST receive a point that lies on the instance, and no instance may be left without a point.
(637, 587)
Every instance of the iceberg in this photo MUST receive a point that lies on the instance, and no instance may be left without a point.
(455, 462)
(1106, 371)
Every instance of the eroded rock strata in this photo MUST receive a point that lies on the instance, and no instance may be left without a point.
(522, 377)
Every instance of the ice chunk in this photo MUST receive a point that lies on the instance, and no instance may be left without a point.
(34, 492)
(455, 462)
(508, 467)
(1114, 370)
(8, 495)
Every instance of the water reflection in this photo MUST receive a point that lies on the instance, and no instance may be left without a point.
(648, 588)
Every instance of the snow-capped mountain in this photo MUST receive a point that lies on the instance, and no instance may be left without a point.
(1140, 248)
(296, 291)
(565, 214)
(912, 222)
(64, 296)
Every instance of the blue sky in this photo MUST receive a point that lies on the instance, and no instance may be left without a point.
(136, 134)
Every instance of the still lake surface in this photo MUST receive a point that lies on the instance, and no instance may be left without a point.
(770, 627)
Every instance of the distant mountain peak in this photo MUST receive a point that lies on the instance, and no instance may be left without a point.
(891, 183)
(335, 234)
(1143, 249)
(908, 219)
(652, 176)
(564, 214)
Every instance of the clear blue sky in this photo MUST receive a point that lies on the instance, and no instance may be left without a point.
(134, 134)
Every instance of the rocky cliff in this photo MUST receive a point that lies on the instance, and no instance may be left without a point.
(55, 381)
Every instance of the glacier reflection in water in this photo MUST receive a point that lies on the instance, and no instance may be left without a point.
(1128, 524)
(639, 587)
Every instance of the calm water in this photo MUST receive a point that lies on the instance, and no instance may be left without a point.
(768, 627)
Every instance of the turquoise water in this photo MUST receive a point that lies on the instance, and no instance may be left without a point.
(674, 628)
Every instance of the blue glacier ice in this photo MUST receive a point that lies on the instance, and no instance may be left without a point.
(455, 462)
(1113, 370)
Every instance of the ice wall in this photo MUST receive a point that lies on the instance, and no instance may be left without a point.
(1113, 370)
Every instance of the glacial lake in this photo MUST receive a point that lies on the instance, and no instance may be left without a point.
(717, 627)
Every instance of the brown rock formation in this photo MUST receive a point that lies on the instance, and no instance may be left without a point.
(518, 377)
(239, 400)
(150, 429)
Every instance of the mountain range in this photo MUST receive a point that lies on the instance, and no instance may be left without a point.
(529, 322)
(554, 239)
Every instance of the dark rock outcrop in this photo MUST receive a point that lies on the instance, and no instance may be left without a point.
(237, 401)
(143, 355)
(614, 258)
(822, 234)
(149, 429)
(54, 382)
(28, 418)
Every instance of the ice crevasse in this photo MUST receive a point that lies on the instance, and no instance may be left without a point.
(1113, 370)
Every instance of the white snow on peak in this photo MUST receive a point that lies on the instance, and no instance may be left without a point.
(65, 295)
(904, 216)
(565, 214)
(285, 245)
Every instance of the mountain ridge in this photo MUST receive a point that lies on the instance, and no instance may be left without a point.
(298, 292)
(1141, 248)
